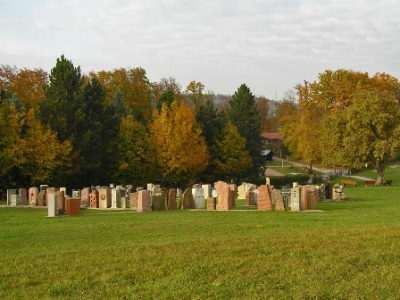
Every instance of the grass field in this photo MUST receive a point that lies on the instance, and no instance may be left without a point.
(351, 250)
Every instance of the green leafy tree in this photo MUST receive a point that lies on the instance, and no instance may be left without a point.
(373, 130)
(233, 160)
(11, 144)
(135, 163)
(195, 92)
(244, 115)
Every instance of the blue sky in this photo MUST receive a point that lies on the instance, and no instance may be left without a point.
(270, 45)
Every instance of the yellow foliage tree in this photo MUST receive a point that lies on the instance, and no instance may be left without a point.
(180, 150)
(43, 153)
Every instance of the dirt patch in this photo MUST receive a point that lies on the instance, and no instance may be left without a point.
(271, 172)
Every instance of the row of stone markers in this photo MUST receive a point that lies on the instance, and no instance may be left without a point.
(221, 197)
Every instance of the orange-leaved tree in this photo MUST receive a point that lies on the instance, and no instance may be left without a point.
(180, 150)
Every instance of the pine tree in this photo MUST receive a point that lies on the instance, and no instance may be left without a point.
(244, 115)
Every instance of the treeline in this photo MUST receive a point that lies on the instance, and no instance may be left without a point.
(67, 128)
(344, 118)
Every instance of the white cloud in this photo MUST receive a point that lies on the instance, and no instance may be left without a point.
(270, 45)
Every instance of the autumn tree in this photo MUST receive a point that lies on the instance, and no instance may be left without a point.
(263, 108)
(195, 92)
(11, 143)
(135, 163)
(22, 84)
(44, 155)
(288, 114)
(244, 115)
(180, 150)
(372, 130)
(133, 87)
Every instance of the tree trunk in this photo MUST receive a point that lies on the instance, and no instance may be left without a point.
(380, 170)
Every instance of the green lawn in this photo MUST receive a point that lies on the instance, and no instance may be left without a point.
(286, 169)
(392, 172)
(351, 250)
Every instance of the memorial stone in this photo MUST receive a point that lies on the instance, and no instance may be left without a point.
(73, 206)
(280, 204)
(198, 196)
(94, 199)
(76, 193)
(61, 202)
(9, 193)
(41, 199)
(15, 200)
(24, 196)
(223, 191)
(249, 198)
(105, 198)
(187, 199)
(116, 198)
(85, 197)
(52, 209)
(232, 194)
(206, 190)
(171, 199)
(264, 198)
(33, 196)
(144, 199)
(211, 203)
(50, 191)
(295, 200)
(157, 198)
(133, 198)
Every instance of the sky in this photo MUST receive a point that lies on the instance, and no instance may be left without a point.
(270, 45)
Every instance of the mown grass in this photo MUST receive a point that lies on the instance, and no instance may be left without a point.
(348, 251)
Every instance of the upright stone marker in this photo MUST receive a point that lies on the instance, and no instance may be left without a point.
(157, 198)
(9, 193)
(295, 201)
(264, 198)
(116, 198)
(94, 199)
(105, 198)
(280, 204)
(143, 203)
(33, 196)
(223, 192)
(133, 198)
(15, 200)
(211, 203)
(198, 196)
(85, 198)
(232, 194)
(73, 206)
(52, 209)
(24, 196)
(187, 199)
(61, 202)
(171, 199)
(206, 190)
(41, 199)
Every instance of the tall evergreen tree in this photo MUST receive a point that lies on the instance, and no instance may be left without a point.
(61, 102)
(244, 115)
(211, 124)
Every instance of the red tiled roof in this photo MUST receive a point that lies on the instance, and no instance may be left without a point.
(272, 136)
